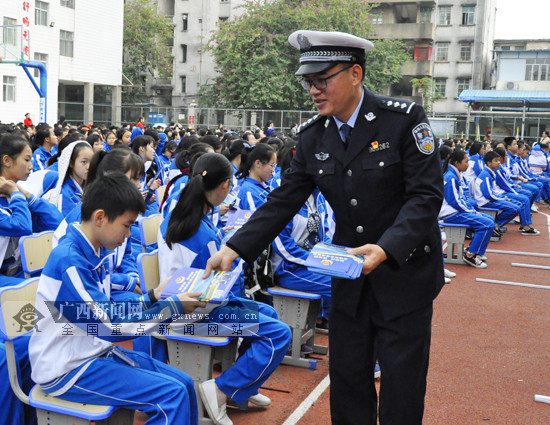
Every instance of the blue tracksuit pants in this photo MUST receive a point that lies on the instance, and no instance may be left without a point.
(482, 225)
(525, 207)
(508, 211)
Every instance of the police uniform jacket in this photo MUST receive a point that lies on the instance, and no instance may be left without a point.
(385, 188)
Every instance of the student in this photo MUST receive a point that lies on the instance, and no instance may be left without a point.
(21, 213)
(73, 172)
(537, 160)
(46, 139)
(123, 137)
(110, 139)
(84, 366)
(523, 170)
(187, 238)
(475, 163)
(96, 142)
(257, 166)
(456, 209)
(488, 194)
(512, 171)
(144, 147)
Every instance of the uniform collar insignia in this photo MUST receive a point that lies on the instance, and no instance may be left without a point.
(370, 116)
(321, 156)
(327, 122)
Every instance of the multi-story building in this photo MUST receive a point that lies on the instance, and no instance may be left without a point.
(82, 52)
(449, 41)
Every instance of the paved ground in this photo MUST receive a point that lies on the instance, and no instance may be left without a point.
(490, 349)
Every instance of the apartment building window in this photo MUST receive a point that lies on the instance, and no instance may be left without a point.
(9, 34)
(183, 82)
(8, 89)
(440, 86)
(185, 21)
(425, 15)
(466, 51)
(462, 84)
(41, 13)
(66, 43)
(40, 57)
(442, 52)
(468, 15)
(422, 53)
(376, 18)
(68, 3)
(183, 53)
(223, 19)
(445, 15)
(537, 69)
(225, 1)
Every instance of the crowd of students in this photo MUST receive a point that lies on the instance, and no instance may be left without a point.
(504, 178)
(91, 186)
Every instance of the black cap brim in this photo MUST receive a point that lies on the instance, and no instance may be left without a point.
(314, 67)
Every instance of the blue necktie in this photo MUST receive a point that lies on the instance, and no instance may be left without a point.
(345, 131)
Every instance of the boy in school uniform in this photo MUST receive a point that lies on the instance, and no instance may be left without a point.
(73, 356)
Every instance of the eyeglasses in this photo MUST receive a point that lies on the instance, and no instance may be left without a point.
(320, 83)
(273, 165)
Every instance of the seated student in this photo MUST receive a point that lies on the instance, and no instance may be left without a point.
(73, 172)
(21, 213)
(123, 137)
(515, 195)
(187, 238)
(538, 162)
(487, 194)
(456, 209)
(144, 147)
(523, 170)
(168, 153)
(511, 169)
(257, 166)
(109, 142)
(85, 367)
(294, 243)
(45, 140)
(96, 142)
(475, 163)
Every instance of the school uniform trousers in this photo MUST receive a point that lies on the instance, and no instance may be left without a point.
(486, 196)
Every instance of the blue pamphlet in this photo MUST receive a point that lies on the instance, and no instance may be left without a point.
(189, 279)
(238, 218)
(333, 260)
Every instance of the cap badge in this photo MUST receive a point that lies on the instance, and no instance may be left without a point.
(303, 42)
(321, 156)
(370, 116)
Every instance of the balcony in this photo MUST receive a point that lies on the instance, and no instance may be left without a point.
(416, 68)
(416, 31)
(420, 3)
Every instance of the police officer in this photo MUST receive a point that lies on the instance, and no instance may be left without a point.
(375, 160)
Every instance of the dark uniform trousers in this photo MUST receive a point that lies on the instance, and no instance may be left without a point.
(385, 188)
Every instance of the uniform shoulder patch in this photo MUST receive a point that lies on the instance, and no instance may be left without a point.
(396, 105)
(308, 123)
(424, 138)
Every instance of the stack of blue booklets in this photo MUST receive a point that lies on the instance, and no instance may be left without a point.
(189, 279)
(237, 218)
(334, 260)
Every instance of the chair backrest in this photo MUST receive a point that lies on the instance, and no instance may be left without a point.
(148, 270)
(35, 250)
(17, 309)
(148, 229)
(159, 194)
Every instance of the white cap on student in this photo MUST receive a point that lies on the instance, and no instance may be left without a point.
(321, 49)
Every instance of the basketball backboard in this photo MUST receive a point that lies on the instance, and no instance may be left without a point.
(11, 44)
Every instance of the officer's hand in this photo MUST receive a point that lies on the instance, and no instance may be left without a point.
(373, 255)
(221, 260)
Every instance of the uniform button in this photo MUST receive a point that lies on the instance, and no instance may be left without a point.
(320, 171)
(353, 202)
(350, 173)
(427, 249)
(359, 229)
(381, 163)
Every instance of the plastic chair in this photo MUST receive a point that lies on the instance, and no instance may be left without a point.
(148, 230)
(148, 270)
(16, 302)
(35, 250)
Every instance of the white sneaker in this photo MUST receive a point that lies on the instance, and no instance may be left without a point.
(534, 208)
(449, 273)
(218, 414)
(259, 400)
(447, 280)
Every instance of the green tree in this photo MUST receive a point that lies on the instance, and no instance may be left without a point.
(427, 90)
(146, 51)
(256, 64)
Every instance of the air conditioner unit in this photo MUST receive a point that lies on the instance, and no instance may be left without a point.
(512, 85)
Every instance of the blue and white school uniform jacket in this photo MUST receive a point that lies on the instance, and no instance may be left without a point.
(253, 194)
(58, 360)
(307, 228)
(537, 158)
(40, 182)
(486, 188)
(39, 158)
(125, 275)
(475, 166)
(71, 195)
(454, 200)
(20, 217)
(503, 181)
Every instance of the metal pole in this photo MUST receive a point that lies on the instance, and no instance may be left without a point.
(523, 122)
(43, 89)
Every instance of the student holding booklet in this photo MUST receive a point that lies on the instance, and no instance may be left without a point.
(187, 238)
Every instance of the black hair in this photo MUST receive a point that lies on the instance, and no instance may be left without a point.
(500, 151)
(234, 149)
(141, 141)
(92, 138)
(444, 152)
(113, 193)
(475, 148)
(213, 141)
(489, 156)
(210, 170)
(276, 142)
(170, 146)
(42, 133)
(261, 152)
(285, 155)
(120, 133)
(152, 133)
(12, 145)
(66, 141)
(456, 156)
(121, 160)
(74, 154)
(508, 141)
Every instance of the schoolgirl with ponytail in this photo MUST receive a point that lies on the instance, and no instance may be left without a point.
(188, 238)
(457, 209)
(258, 164)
